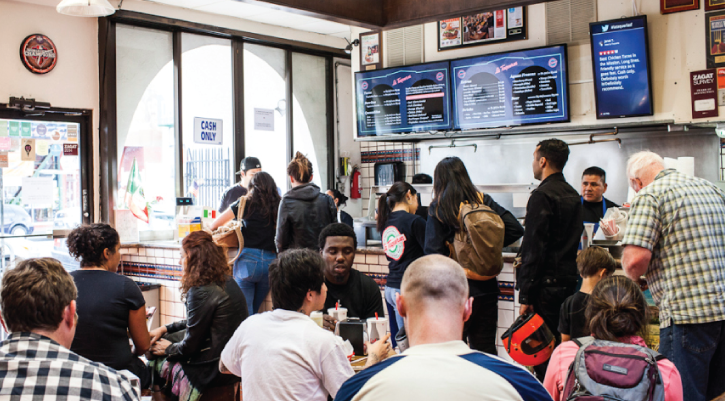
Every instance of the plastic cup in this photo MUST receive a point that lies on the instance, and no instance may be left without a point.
(377, 328)
(317, 317)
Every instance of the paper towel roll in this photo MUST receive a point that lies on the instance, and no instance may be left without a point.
(686, 165)
(672, 163)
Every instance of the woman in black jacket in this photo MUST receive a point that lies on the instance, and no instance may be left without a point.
(190, 349)
(452, 186)
(340, 200)
(304, 211)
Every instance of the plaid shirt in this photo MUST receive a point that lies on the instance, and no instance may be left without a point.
(34, 367)
(681, 219)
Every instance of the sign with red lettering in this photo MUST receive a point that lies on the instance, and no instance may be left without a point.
(38, 54)
(70, 149)
(703, 87)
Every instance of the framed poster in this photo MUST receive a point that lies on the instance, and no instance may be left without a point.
(483, 28)
(703, 88)
(715, 31)
(371, 51)
(711, 5)
(674, 6)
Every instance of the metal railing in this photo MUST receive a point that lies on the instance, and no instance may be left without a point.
(207, 175)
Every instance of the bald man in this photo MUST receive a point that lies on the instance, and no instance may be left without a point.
(439, 366)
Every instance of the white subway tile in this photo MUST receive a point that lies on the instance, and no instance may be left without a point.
(371, 259)
(382, 260)
(142, 251)
(359, 258)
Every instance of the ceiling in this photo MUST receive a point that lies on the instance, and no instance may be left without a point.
(272, 15)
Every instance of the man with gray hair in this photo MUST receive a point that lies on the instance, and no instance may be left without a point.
(438, 365)
(676, 238)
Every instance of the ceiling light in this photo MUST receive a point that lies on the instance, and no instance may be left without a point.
(348, 49)
(85, 8)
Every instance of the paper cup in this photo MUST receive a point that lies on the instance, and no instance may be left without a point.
(377, 328)
(339, 314)
(317, 317)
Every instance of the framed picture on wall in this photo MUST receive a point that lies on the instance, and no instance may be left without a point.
(496, 26)
(715, 39)
(674, 6)
(711, 5)
(371, 51)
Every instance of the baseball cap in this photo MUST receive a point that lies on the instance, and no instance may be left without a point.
(249, 163)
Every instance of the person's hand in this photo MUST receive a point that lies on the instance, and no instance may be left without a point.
(157, 333)
(379, 350)
(526, 309)
(329, 323)
(159, 348)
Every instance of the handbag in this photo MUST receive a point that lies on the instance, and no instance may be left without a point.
(230, 235)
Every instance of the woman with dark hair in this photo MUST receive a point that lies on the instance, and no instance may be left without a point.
(110, 306)
(251, 270)
(617, 311)
(304, 211)
(451, 187)
(189, 349)
(340, 200)
(403, 234)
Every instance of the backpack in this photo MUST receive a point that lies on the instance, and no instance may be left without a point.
(607, 370)
(478, 244)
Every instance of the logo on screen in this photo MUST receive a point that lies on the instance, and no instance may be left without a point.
(364, 85)
(461, 74)
(605, 28)
(440, 76)
(553, 62)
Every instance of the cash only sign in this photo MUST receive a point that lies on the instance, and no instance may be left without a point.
(207, 131)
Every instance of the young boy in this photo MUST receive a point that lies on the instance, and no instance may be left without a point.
(594, 263)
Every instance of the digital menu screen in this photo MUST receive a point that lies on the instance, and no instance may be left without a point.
(622, 85)
(513, 88)
(403, 99)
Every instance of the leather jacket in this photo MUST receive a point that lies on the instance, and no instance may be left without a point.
(303, 212)
(213, 315)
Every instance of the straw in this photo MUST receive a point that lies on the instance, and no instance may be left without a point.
(337, 304)
(376, 315)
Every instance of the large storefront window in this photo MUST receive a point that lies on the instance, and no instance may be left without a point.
(206, 63)
(145, 85)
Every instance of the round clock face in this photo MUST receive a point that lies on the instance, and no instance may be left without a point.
(38, 54)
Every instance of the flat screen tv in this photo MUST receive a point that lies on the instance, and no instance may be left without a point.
(620, 59)
(403, 99)
(509, 89)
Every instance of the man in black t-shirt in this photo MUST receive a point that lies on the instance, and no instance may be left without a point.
(354, 290)
(594, 185)
(247, 169)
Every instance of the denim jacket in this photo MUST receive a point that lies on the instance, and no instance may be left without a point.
(552, 230)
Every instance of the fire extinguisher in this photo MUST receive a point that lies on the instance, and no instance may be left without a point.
(356, 184)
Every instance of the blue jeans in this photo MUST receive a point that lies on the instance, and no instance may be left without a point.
(390, 298)
(698, 352)
(251, 272)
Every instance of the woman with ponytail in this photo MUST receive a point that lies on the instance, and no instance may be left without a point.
(304, 211)
(403, 234)
(340, 200)
(617, 311)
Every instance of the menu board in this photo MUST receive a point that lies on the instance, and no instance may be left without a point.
(622, 84)
(513, 88)
(403, 99)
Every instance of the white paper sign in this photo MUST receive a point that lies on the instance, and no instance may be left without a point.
(127, 226)
(264, 119)
(207, 131)
(37, 191)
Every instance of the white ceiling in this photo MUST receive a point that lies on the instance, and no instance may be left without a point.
(263, 15)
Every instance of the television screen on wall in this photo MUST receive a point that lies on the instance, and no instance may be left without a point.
(403, 99)
(620, 58)
(513, 88)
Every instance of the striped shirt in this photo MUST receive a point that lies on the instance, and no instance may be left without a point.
(444, 371)
(681, 219)
(34, 367)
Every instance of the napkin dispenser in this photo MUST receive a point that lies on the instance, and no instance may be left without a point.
(353, 330)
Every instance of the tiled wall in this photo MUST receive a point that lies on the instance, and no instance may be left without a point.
(374, 152)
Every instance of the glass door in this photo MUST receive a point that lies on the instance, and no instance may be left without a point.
(42, 191)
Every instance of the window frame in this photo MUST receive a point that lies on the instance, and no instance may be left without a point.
(108, 145)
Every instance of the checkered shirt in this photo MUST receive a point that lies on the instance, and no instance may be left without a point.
(34, 367)
(681, 219)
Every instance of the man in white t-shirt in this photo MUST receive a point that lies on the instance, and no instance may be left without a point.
(283, 354)
(438, 365)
